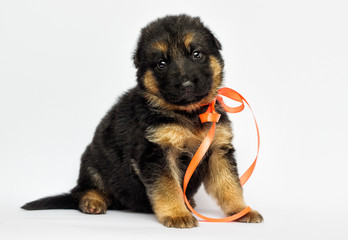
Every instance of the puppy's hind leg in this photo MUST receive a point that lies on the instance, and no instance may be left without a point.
(94, 202)
(90, 190)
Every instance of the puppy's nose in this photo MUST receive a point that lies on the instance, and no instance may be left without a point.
(187, 86)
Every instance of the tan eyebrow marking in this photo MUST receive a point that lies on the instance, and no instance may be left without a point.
(187, 40)
(161, 46)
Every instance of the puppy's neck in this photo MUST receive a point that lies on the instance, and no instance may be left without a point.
(157, 102)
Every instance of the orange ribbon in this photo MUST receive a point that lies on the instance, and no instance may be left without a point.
(212, 116)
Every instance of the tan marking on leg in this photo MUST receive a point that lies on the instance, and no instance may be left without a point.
(222, 184)
(223, 135)
(96, 178)
(94, 202)
(150, 82)
(135, 167)
(168, 204)
(173, 155)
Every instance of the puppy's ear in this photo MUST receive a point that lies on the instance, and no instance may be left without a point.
(136, 59)
(217, 43)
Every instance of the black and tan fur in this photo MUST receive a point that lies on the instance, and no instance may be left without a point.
(144, 144)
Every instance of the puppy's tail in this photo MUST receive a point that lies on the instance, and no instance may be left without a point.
(64, 201)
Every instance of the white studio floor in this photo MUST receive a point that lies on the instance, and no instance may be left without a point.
(280, 223)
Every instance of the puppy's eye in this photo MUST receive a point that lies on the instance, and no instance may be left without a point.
(161, 64)
(196, 54)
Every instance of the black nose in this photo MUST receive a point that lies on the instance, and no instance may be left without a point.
(187, 86)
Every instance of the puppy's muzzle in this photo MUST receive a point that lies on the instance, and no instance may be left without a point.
(187, 87)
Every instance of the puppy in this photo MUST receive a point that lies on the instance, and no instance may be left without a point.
(143, 145)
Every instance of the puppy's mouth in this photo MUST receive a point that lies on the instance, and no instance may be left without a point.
(185, 97)
(185, 101)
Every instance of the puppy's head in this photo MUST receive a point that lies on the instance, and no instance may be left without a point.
(179, 64)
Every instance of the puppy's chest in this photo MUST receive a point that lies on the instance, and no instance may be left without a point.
(176, 136)
(186, 138)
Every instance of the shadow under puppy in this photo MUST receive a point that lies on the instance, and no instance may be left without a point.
(143, 145)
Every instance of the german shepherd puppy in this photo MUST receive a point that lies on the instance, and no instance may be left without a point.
(143, 145)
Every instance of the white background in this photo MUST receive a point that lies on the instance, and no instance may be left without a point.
(64, 63)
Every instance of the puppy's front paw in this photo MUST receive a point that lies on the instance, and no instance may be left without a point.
(251, 217)
(185, 221)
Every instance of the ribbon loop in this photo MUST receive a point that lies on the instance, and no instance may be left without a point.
(212, 116)
(230, 93)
